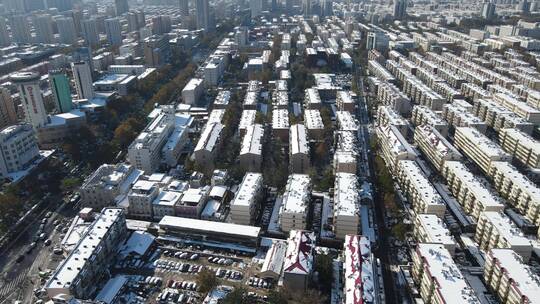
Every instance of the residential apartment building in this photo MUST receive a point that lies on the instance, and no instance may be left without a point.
(294, 202)
(18, 148)
(459, 116)
(387, 116)
(345, 102)
(88, 263)
(207, 146)
(314, 124)
(107, 185)
(161, 141)
(394, 147)
(280, 124)
(251, 149)
(421, 193)
(360, 272)
(312, 99)
(193, 91)
(469, 191)
(247, 119)
(435, 146)
(299, 161)
(521, 146)
(429, 228)
(438, 277)
(345, 157)
(479, 148)
(298, 263)
(346, 217)
(496, 230)
(422, 115)
(510, 278)
(246, 201)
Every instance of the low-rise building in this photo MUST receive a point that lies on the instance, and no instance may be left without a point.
(222, 99)
(247, 119)
(207, 146)
(438, 277)
(496, 230)
(245, 204)
(509, 278)
(435, 147)
(314, 123)
(298, 150)
(521, 146)
(251, 149)
(280, 124)
(479, 148)
(429, 228)
(361, 279)
(298, 264)
(459, 116)
(312, 100)
(422, 115)
(394, 146)
(345, 102)
(107, 185)
(193, 91)
(421, 193)
(346, 205)
(387, 116)
(295, 201)
(346, 121)
(469, 191)
(88, 263)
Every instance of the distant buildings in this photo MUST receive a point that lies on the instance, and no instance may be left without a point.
(121, 7)
(488, 10)
(202, 10)
(156, 50)
(400, 9)
(113, 30)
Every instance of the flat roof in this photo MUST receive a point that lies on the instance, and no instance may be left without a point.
(421, 182)
(451, 284)
(346, 195)
(296, 193)
(280, 119)
(183, 223)
(506, 228)
(486, 145)
(435, 229)
(245, 195)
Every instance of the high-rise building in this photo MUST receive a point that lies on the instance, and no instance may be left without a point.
(32, 5)
(66, 30)
(18, 148)
(90, 32)
(306, 8)
(59, 84)
(161, 24)
(114, 31)
(203, 15)
(121, 7)
(326, 8)
(524, 7)
(133, 20)
(5, 39)
(61, 5)
(20, 29)
(488, 10)
(31, 98)
(156, 50)
(184, 9)
(400, 9)
(43, 27)
(289, 7)
(255, 7)
(83, 79)
(8, 114)
(15, 6)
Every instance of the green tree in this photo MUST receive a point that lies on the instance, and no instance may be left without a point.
(237, 296)
(323, 265)
(70, 183)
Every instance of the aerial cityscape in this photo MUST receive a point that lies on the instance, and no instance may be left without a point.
(269, 151)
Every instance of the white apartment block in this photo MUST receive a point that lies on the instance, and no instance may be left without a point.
(346, 121)
(314, 123)
(521, 108)
(193, 91)
(88, 263)
(496, 230)
(438, 277)
(421, 193)
(469, 191)
(499, 117)
(216, 116)
(521, 146)
(299, 161)
(140, 199)
(422, 94)
(345, 157)
(207, 146)
(379, 71)
(345, 102)
(295, 201)
(422, 115)
(251, 100)
(107, 185)
(458, 116)
(312, 99)
(246, 201)
(18, 148)
(161, 141)
(429, 228)
(387, 116)
(251, 149)
(394, 147)
(361, 279)
(247, 119)
(222, 99)
(434, 146)
(346, 205)
(510, 278)
(479, 148)
(280, 100)
(390, 95)
(517, 189)
(280, 124)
